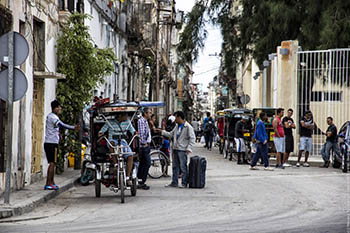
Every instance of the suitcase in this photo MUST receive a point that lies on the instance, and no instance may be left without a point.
(196, 173)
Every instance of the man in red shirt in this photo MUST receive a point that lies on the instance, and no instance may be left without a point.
(278, 137)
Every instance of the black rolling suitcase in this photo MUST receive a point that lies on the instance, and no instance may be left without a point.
(196, 174)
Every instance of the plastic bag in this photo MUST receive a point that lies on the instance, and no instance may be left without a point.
(202, 140)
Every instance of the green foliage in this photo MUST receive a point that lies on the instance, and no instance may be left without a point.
(85, 67)
(194, 34)
(262, 25)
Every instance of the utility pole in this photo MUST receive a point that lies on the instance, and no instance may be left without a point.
(10, 117)
(158, 45)
(157, 84)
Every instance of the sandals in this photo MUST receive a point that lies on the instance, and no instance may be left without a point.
(51, 187)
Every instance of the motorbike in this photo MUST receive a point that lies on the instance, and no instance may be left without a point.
(88, 169)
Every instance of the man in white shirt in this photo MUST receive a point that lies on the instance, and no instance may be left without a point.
(52, 139)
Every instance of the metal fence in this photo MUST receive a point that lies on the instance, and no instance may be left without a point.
(323, 88)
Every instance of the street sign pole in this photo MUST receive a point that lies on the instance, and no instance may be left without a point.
(10, 117)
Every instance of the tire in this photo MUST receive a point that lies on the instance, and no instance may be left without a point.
(335, 162)
(226, 153)
(97, 188)
(87, 176)
(122, 187)
(133, 188)
(158, 161)
(221, 148)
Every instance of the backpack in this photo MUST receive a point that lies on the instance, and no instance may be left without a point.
(209, 127)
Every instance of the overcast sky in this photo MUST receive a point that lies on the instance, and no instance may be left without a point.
(207, 66)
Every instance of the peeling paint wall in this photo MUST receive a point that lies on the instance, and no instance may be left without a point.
(45, 11)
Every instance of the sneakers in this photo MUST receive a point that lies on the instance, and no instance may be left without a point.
(171, 185)
(51, 187)
(325, 165)
(286, 165)
(298, 164)
(279, 167)
(183, 186)
(268, 169)
(253, 168)
(239, 162)
(143, 186)
(306, 164)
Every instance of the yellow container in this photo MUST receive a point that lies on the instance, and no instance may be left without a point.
(71, 156)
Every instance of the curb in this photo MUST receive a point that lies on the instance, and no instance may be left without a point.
(31, 203)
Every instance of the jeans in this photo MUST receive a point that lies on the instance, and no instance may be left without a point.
(208, 140)
(326, 149)
(145, 164)
(261, 151)
(179, 163)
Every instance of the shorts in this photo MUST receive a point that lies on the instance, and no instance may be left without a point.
(123, 143)
(305, 144)
(51, 151)
(280, 144)
(289, 144)
(240, 145)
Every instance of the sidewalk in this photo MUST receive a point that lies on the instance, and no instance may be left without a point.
(314, 161)
(27, 199)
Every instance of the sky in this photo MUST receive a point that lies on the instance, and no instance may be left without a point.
(207, 66)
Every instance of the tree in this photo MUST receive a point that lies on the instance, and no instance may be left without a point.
(262, 25)
(85, 67)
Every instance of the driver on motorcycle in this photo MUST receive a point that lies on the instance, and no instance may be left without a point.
(117, 128)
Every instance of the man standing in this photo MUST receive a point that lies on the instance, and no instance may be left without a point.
(306, 129)
(52, 138)
(239, 140)
(209, 132)
(331, 142)
(206, 120)
(183, 139)
(278, 137)
(196, 126)
(260, 137)
(145, 140)
(288, 125)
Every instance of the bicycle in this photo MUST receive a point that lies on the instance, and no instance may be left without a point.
(113, 178)
(159, 160)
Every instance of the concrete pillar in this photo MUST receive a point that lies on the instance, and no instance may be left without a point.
(287, 76)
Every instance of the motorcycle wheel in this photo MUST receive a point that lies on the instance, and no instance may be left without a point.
(226, 149)
(97, 188)
(335, 161)
(121, 187)
(133, 187)
(86, 177)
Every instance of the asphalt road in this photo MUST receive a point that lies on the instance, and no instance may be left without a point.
(235, 200)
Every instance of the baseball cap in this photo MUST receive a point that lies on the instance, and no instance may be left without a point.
(172, 118)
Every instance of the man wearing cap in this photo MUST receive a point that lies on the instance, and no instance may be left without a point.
(306, 129)
(239, 140)
(52, 138)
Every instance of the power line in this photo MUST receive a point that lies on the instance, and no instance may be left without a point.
(204, 72)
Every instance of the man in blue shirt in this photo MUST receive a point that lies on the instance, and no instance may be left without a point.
(261, 138)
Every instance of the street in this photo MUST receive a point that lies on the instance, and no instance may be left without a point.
(235, 199)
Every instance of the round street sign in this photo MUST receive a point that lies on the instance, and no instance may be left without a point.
(21, 49)
(245, 99)
(20, 84)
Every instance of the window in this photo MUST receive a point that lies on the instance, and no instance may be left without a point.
(319, 96)
(333, 96)
(39, 45)
(316, 96)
